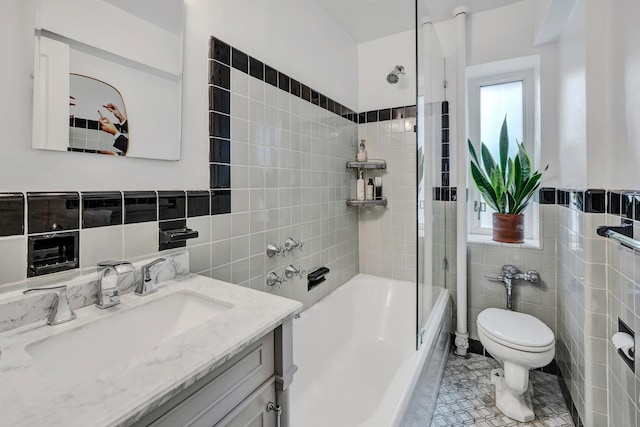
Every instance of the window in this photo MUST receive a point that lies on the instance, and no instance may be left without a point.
(492, 97)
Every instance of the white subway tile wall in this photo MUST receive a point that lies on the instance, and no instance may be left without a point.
(388, 235)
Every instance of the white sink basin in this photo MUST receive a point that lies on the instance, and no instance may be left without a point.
(96, 347)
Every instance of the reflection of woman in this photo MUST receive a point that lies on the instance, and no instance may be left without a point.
(120, 131)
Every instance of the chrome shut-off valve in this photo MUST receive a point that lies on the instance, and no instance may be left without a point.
(273, 279)
(291, 244)
(291, 271)
(274, 250)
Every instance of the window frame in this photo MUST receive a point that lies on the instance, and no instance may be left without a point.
(529, 77)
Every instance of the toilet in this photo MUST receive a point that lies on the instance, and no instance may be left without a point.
(520, 342)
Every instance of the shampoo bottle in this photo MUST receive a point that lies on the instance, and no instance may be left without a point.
(360, 187)
(362, 152)
(369, 191)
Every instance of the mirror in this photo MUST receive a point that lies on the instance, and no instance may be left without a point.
(90, 102)
(93, 55)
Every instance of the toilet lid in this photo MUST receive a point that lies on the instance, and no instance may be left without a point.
(515, 329)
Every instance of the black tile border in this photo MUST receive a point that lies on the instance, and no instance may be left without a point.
(222, 55)
(445, 194)
(95, 204)
(172, 205)
(566, 394)
(39, 211)
(385, 114)
(12, 221)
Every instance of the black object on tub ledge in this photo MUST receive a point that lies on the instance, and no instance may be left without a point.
(174, 234)
(316, 277)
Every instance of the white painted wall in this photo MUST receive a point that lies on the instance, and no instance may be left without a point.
(295, 36)
(623, 140)
(504, 33)
(375, 60)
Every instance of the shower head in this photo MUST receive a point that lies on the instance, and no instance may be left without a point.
(394, 76)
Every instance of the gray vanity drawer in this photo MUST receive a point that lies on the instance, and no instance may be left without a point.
(208, 401)
(253, 411)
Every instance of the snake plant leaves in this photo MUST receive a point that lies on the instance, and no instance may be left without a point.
(508, 186)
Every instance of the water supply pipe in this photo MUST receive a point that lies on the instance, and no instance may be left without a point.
(462, 333)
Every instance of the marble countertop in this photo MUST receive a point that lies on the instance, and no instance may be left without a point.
(121, 394)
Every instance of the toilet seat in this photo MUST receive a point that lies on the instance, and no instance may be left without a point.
(515, 330)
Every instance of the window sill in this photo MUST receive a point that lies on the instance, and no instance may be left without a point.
(486, 239)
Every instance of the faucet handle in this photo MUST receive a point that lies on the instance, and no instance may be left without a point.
(60, 311)
(273, 279)
(291, 271)
(531, 276)
(273, 250)
(510, 270)
(147, 285)
(499, 279)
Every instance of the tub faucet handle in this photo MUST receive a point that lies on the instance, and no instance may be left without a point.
(291, 271)
(274, 250)
(273, 279)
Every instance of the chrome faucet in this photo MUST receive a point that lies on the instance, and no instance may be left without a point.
(511, 273)
(273, 279)
(147, 285)
(112, 274)
(60, 311)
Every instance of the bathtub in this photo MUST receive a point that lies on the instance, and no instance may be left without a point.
(356, 356)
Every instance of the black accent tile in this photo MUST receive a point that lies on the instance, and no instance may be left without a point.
(140, 206)
(445, 179)
(80, 123)
(51, 253)
(445, 165)
(547, 196)
(11, 214)
(256, 68)
(198, 203)
(176, 224)
(614, 202)
(563, 198)
(445, 150)
(323, 102)
(295, 89)
(551, 368)
(283, 82)
(220, 176)
(362, 118)
(595, 201)
(220, 51)
(220, 125)
(270, 75)
(93, 125)
(53, 212)
(219, 100)
(445, 107)
(410, 111)
(628, 199)
(384, 115)
(436, 193)
(219, 150)
(219, 75)
(372, 116)
(637, 206)
(171, 205)
(445, 193)
(445, 121)
(454, 194)
(398, 113)
(239, 60)
(100, 209)
(306, 93)
(577, 200)
(220, 202)
(331, 105)
(315, 97)
(444, 135)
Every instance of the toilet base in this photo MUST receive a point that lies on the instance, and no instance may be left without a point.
(518, 407)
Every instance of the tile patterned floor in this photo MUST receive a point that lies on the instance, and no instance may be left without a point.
(466, 397)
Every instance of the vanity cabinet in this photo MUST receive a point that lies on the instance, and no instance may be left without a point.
(237, 393)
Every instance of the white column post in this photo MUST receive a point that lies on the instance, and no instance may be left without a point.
(462, 334)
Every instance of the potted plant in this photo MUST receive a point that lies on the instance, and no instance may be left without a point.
(507, 186)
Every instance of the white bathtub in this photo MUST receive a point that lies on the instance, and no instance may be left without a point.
(356, 356)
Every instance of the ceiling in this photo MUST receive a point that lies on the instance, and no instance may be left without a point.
(366, 20)
(166, 14)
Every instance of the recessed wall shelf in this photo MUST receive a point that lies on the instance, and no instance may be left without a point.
(367, 203)
(371, 164)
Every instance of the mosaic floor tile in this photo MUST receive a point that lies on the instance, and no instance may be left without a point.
(466, 398)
